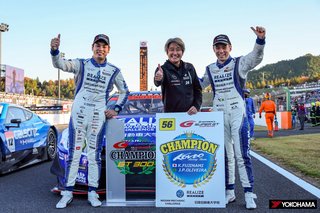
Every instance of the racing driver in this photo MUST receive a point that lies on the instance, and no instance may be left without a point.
(94, 80)
(227, 78)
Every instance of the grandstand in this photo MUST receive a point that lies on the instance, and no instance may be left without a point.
(37, 102)
(284, 97)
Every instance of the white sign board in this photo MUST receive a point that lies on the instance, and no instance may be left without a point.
(190, 160)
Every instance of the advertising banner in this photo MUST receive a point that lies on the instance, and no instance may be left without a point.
(190, 160)
(14, 80)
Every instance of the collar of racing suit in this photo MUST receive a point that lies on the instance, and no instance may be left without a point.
(96, 64)
(223, 64)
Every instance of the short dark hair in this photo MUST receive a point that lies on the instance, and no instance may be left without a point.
(178, 41)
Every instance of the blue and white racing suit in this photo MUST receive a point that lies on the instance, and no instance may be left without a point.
(250, 113)
(227, 81)
(94, 82)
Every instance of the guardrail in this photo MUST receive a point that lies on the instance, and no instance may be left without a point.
(45, 108)
(55, 118)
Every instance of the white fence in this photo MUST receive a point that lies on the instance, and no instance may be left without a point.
(55, 119)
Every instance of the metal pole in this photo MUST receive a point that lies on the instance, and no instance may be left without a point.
(0, 50)
(3, 28)
(59, 86)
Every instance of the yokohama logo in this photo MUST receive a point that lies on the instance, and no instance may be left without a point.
(293, 204)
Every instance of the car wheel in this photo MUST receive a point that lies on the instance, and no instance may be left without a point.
(51, 144)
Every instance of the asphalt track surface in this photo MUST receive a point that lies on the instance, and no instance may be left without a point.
(28, 190)
(308, 129)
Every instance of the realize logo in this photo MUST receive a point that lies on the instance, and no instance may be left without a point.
(189, 160)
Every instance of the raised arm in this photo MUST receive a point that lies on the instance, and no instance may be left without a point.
(251, 60)
(58, 61)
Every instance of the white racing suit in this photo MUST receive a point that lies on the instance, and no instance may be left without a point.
(94, 82)
(227, 81)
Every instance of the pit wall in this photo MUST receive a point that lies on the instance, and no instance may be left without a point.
(56, 119)
(284, 120)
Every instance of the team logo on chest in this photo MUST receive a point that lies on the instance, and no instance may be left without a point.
(174, 77)
(186, 77)
(227, 69)
(104, 72)
(96, 77)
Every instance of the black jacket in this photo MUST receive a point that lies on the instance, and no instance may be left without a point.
(180, 87)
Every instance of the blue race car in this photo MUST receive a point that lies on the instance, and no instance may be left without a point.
(25, 138)
(138, 115)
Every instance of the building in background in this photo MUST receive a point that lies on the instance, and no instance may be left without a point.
(14, 80)
(143, 66)
(2, 78)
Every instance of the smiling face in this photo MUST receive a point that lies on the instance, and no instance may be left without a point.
(174, 53)
(100, 51)
(222, 52)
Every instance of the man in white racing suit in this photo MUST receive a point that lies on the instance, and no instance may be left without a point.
(94, 79)
(227, 78)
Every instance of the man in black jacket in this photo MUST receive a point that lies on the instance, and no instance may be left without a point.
(180, 86)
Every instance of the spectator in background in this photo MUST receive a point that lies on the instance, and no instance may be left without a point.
(313, 114)
(318, 112)
(293, 116)
(270, 109)
(301, 115)
(250, 110)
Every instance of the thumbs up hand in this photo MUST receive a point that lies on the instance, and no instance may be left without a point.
(159, 74)
(55, 43)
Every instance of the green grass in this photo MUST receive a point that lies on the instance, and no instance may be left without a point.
(298, 153)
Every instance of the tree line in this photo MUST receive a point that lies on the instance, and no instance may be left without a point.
(49, 88)
(286, 73)
(283, 73)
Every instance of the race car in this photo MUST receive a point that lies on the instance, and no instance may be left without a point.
(138, 115)
(25, 138)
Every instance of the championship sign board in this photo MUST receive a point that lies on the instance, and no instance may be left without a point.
(190, 160)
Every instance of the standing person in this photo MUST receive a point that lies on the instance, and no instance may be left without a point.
(227, 78)
(251, 111)
(317, 113)
(94, 78)
(313, 114)
(180, 86)
(270, 109)
(301, 115)
(293, 116)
